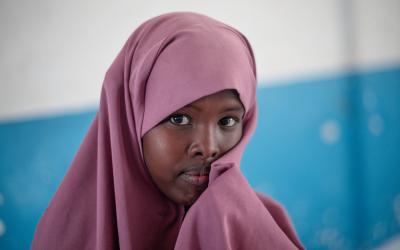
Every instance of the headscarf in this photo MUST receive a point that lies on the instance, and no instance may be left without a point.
(108, 200)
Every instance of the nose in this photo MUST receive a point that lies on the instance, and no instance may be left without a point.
(205, 144)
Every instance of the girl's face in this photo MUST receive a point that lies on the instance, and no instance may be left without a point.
(178, 151)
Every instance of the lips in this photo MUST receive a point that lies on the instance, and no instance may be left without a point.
(197, 175)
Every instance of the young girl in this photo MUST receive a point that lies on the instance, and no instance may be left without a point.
(159, 167)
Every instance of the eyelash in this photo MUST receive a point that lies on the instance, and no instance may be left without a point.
(170, 119)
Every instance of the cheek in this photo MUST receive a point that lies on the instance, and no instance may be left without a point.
(230, 139)
(161, 151)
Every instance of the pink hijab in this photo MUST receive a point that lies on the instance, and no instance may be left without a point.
(107, 199)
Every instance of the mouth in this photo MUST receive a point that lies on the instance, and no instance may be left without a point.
(197, 176)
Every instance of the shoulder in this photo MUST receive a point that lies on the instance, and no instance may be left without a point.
(281, 217)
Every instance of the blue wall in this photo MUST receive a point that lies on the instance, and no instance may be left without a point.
(328, 148)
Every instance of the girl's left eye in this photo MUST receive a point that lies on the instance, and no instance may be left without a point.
(228, 122)
(179, 119)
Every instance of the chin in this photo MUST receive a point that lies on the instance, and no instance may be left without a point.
(186, 200)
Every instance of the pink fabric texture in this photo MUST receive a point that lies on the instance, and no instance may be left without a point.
(107, 199)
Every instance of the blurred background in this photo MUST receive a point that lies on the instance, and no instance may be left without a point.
(327, 144)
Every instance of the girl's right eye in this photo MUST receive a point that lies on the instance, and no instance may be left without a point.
(179, 119)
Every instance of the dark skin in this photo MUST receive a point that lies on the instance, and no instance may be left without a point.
(179, 150)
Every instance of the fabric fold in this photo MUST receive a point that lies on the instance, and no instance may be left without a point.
(230, 215)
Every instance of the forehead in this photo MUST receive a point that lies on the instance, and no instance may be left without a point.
(225, 99)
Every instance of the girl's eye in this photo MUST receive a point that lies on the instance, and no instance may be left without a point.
(228, 122)
(179, 119)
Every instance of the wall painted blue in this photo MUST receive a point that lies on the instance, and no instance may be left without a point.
(378, 127)
(34, 156)
(342, 193)
(296, 167)
(326, 148)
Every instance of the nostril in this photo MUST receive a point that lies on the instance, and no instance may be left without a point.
(204, 150)
(211, 156)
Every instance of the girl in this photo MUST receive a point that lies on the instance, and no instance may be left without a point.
(159, 167)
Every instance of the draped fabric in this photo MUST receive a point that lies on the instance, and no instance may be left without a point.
(107, 200)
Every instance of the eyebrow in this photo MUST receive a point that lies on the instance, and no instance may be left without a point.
(236, 108)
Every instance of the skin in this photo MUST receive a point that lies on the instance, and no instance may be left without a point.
(179, 150)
